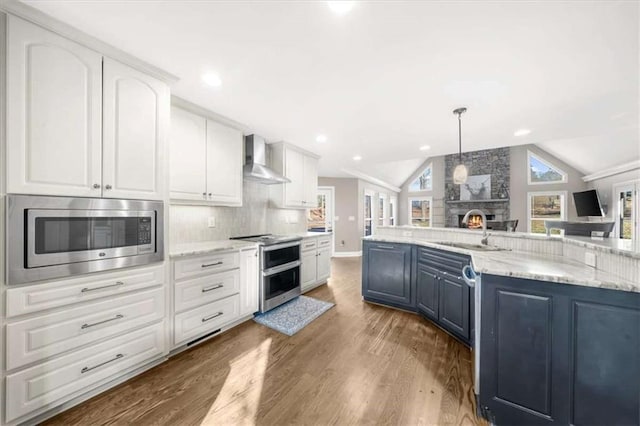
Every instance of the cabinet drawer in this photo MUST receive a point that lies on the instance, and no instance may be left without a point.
(443, 261)
(198, 291)
(198, 321)
(34, 298)
(44, 336)
(324, 242)
(198, 266)
(54, 382)
(309, 244)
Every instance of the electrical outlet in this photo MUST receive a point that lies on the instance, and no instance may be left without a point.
(211, 222)
(352, 218)
(590, 259)
(407, 233)
(293, 219)
(337, 218)
(342, 243)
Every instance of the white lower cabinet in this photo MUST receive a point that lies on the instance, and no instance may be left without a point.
(207, 318)
(35, 339)
(213, 291)
(53, 382)
(316, 261)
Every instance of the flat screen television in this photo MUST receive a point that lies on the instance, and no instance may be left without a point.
(587, 203)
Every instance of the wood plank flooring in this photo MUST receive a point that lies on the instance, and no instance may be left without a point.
(357, 364)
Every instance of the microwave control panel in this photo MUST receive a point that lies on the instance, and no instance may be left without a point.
(144, 230)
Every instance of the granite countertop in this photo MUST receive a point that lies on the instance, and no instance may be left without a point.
(541, 267)
(206, 247)
(314, 234)
(612, 245)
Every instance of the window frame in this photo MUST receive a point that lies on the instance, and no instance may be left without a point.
(372, 220)
(430, 188)
(393, 211)
(409, 207)
(385, 204)
(563, 207)
(565, 176)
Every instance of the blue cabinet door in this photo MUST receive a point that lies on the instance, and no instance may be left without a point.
(454, 305)
(427, 289)
(386, 274)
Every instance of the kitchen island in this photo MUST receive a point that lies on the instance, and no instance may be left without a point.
(555, 340)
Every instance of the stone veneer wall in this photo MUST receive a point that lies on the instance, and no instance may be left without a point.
(495, 162)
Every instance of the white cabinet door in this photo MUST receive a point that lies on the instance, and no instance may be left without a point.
(135, 125)
(224, 164)
(308, 269)
(249, 284)
(54, 91)
(294, 170)
(324, 264)
(188, 155)
(310, 182)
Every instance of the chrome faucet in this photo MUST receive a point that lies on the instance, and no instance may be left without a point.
(485, 235)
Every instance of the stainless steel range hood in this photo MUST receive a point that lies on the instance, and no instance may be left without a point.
(255, 166)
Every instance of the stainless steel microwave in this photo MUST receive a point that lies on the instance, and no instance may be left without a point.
(53, 237)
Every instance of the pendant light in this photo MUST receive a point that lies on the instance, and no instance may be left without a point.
(460, 173)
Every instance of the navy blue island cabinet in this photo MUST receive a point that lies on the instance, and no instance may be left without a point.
(386, 274)
(558, 354)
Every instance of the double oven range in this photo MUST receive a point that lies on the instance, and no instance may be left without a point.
(279, 268)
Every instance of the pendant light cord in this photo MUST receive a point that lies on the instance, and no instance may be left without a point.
(460, 137)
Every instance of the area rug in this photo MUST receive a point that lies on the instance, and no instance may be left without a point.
(294, 315)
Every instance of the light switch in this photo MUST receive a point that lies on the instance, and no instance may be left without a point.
(212, 222)
(352, 218)
(337, 218)
(590, 259)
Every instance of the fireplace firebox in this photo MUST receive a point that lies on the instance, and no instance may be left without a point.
(474, 222)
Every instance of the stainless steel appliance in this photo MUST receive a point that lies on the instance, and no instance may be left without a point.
(52, 237)
(279, 268)
(255, 168)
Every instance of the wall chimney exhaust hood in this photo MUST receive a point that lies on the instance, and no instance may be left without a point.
(255, 166)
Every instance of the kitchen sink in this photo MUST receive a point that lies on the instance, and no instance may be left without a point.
(468, 246)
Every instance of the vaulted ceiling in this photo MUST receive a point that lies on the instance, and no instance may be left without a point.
(382, 80)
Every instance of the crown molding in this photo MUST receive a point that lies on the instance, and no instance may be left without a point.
(35, 16)
(611, 171)
(197, 109)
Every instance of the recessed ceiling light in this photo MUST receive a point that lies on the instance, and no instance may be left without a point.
(521, 132)
(212, 79)
(340, 7)
(357, 158)
(425, 148)
(321, 138)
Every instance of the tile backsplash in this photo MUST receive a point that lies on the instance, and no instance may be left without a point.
(189, 224)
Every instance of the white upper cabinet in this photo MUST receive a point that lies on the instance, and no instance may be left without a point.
(79, 124)
(224, 164)
(188, 158)
(206, 160)
(135, 117)
(54, 89)
(302, 169)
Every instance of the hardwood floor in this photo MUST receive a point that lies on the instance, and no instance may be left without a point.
(357, 364)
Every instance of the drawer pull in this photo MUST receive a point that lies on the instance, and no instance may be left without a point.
(117, 317)
(205, 319)
(86, 289)
(206, 265)
(385, 247)
(87, 369)
(308, 245)
(215, 287)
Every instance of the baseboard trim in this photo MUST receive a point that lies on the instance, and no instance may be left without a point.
(347, 253)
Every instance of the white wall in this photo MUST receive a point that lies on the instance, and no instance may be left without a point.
(604, 187)
(347, 234)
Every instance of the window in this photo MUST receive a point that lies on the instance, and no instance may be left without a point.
(393, 206)
(420, 211)
(422, 182)
(545, 206)
(542, 172)
(320, 218)
(368, 213)
(382, 209)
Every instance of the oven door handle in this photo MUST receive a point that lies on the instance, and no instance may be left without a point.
(281, 246)
(281, 268)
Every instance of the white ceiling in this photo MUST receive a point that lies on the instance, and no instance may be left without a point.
(383, 80)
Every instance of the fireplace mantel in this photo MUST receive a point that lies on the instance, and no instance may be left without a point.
(493, 200)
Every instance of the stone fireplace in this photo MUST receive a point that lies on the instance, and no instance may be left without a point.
(493, 162)
(475, 221)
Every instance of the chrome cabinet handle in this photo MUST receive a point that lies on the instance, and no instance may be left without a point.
(117, 317)
(86, 289)
(385, 247)
(217, 286)
(108, 187)
(96, 186)
(204, 195)
(86, 369)
(206, 265)
(205, 319)
(209, 195)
